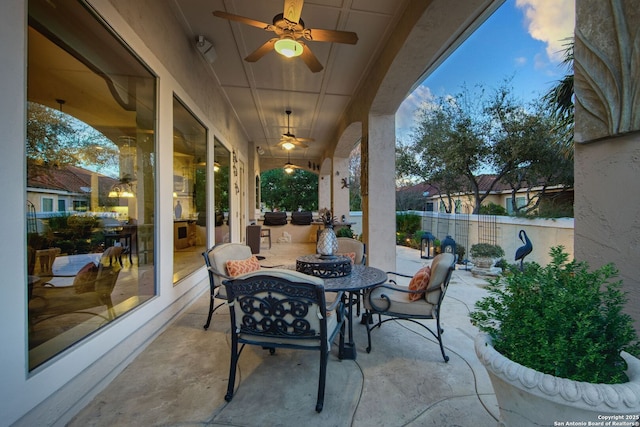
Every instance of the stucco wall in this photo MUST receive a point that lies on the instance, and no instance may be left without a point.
(607, 210)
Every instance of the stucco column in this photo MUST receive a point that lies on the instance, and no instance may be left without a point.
(378, 191)
(340, 192)
(324, 190)
(607, 141)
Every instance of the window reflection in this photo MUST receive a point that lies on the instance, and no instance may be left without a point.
(189, 191)
(221, 191)
(90, 178)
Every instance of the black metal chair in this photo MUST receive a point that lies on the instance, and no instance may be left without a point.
(392, 300)
(216, 259)
(282, 308)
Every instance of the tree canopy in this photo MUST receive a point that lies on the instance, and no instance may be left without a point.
(460, 137)
(289, 192)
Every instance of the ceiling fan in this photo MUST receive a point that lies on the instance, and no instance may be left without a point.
(291, 35)
(290, 167)
(289, 140)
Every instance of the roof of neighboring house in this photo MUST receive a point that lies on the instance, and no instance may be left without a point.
(68, 178)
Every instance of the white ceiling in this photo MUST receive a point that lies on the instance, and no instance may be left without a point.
(260, 92)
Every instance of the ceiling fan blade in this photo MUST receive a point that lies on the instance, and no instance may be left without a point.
(293, 10)
(305, 139)
(331, 36)
(310, 59)
(261, 51)
(243, 20)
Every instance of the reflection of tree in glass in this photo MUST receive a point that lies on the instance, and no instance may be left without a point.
(54, 137)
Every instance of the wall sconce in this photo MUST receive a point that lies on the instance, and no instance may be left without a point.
(206, 49)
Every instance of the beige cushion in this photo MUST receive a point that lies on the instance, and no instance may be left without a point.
(399, 302)
(439, 268)
(347, 244)
(225, 252)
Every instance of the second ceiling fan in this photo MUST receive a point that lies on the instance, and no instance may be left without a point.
(291, 35)
(288, 141)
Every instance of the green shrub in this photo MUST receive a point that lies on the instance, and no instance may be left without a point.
(344, 232)
(492, 209)
(561, 319)
(408, 223)
(486, 250)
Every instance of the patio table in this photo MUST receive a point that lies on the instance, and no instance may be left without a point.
(361, 278)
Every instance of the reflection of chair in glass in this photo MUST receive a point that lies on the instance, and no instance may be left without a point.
(144, 243)
(392, 300)
(91, 289)
(44, 261)
(216, 261)
(280, 308)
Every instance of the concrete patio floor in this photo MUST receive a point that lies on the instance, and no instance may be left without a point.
(180, 379)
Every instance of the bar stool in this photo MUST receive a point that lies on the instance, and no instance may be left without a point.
(266, 232)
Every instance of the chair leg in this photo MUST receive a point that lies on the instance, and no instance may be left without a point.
(206, 325)
(232, 368)
(322, 380)
(367, 324)
(211, 310)
(440, 331)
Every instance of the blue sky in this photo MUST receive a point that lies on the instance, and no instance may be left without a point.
(522, 40)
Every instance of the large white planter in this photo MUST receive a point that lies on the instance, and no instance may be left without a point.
(531, 398)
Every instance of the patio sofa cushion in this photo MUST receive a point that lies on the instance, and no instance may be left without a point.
(275, 218)
(301, 218)
(242, 266)
(419, 282)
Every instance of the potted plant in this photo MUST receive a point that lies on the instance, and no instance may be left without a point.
(557, 345)
(485, 254)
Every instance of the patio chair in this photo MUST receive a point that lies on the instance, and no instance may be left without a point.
(281, 308)
(91, 289)
(392, 300)
(216, 259)
(348, 246)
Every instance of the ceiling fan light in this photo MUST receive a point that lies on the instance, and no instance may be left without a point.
(288, 47)
(288, 168)
(288, 145)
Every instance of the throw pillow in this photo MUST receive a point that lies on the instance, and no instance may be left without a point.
(85, 280)
(419, 282)
(242, 266)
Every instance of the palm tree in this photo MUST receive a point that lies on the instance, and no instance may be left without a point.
(560, 99)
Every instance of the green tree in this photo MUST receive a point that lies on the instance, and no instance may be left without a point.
(527, 149)
(449, 145)
(460, 137)
(289, 192)
(560, 100)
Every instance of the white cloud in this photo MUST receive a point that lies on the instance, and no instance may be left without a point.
(520, 61)
(550, 21)
(405, 116)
